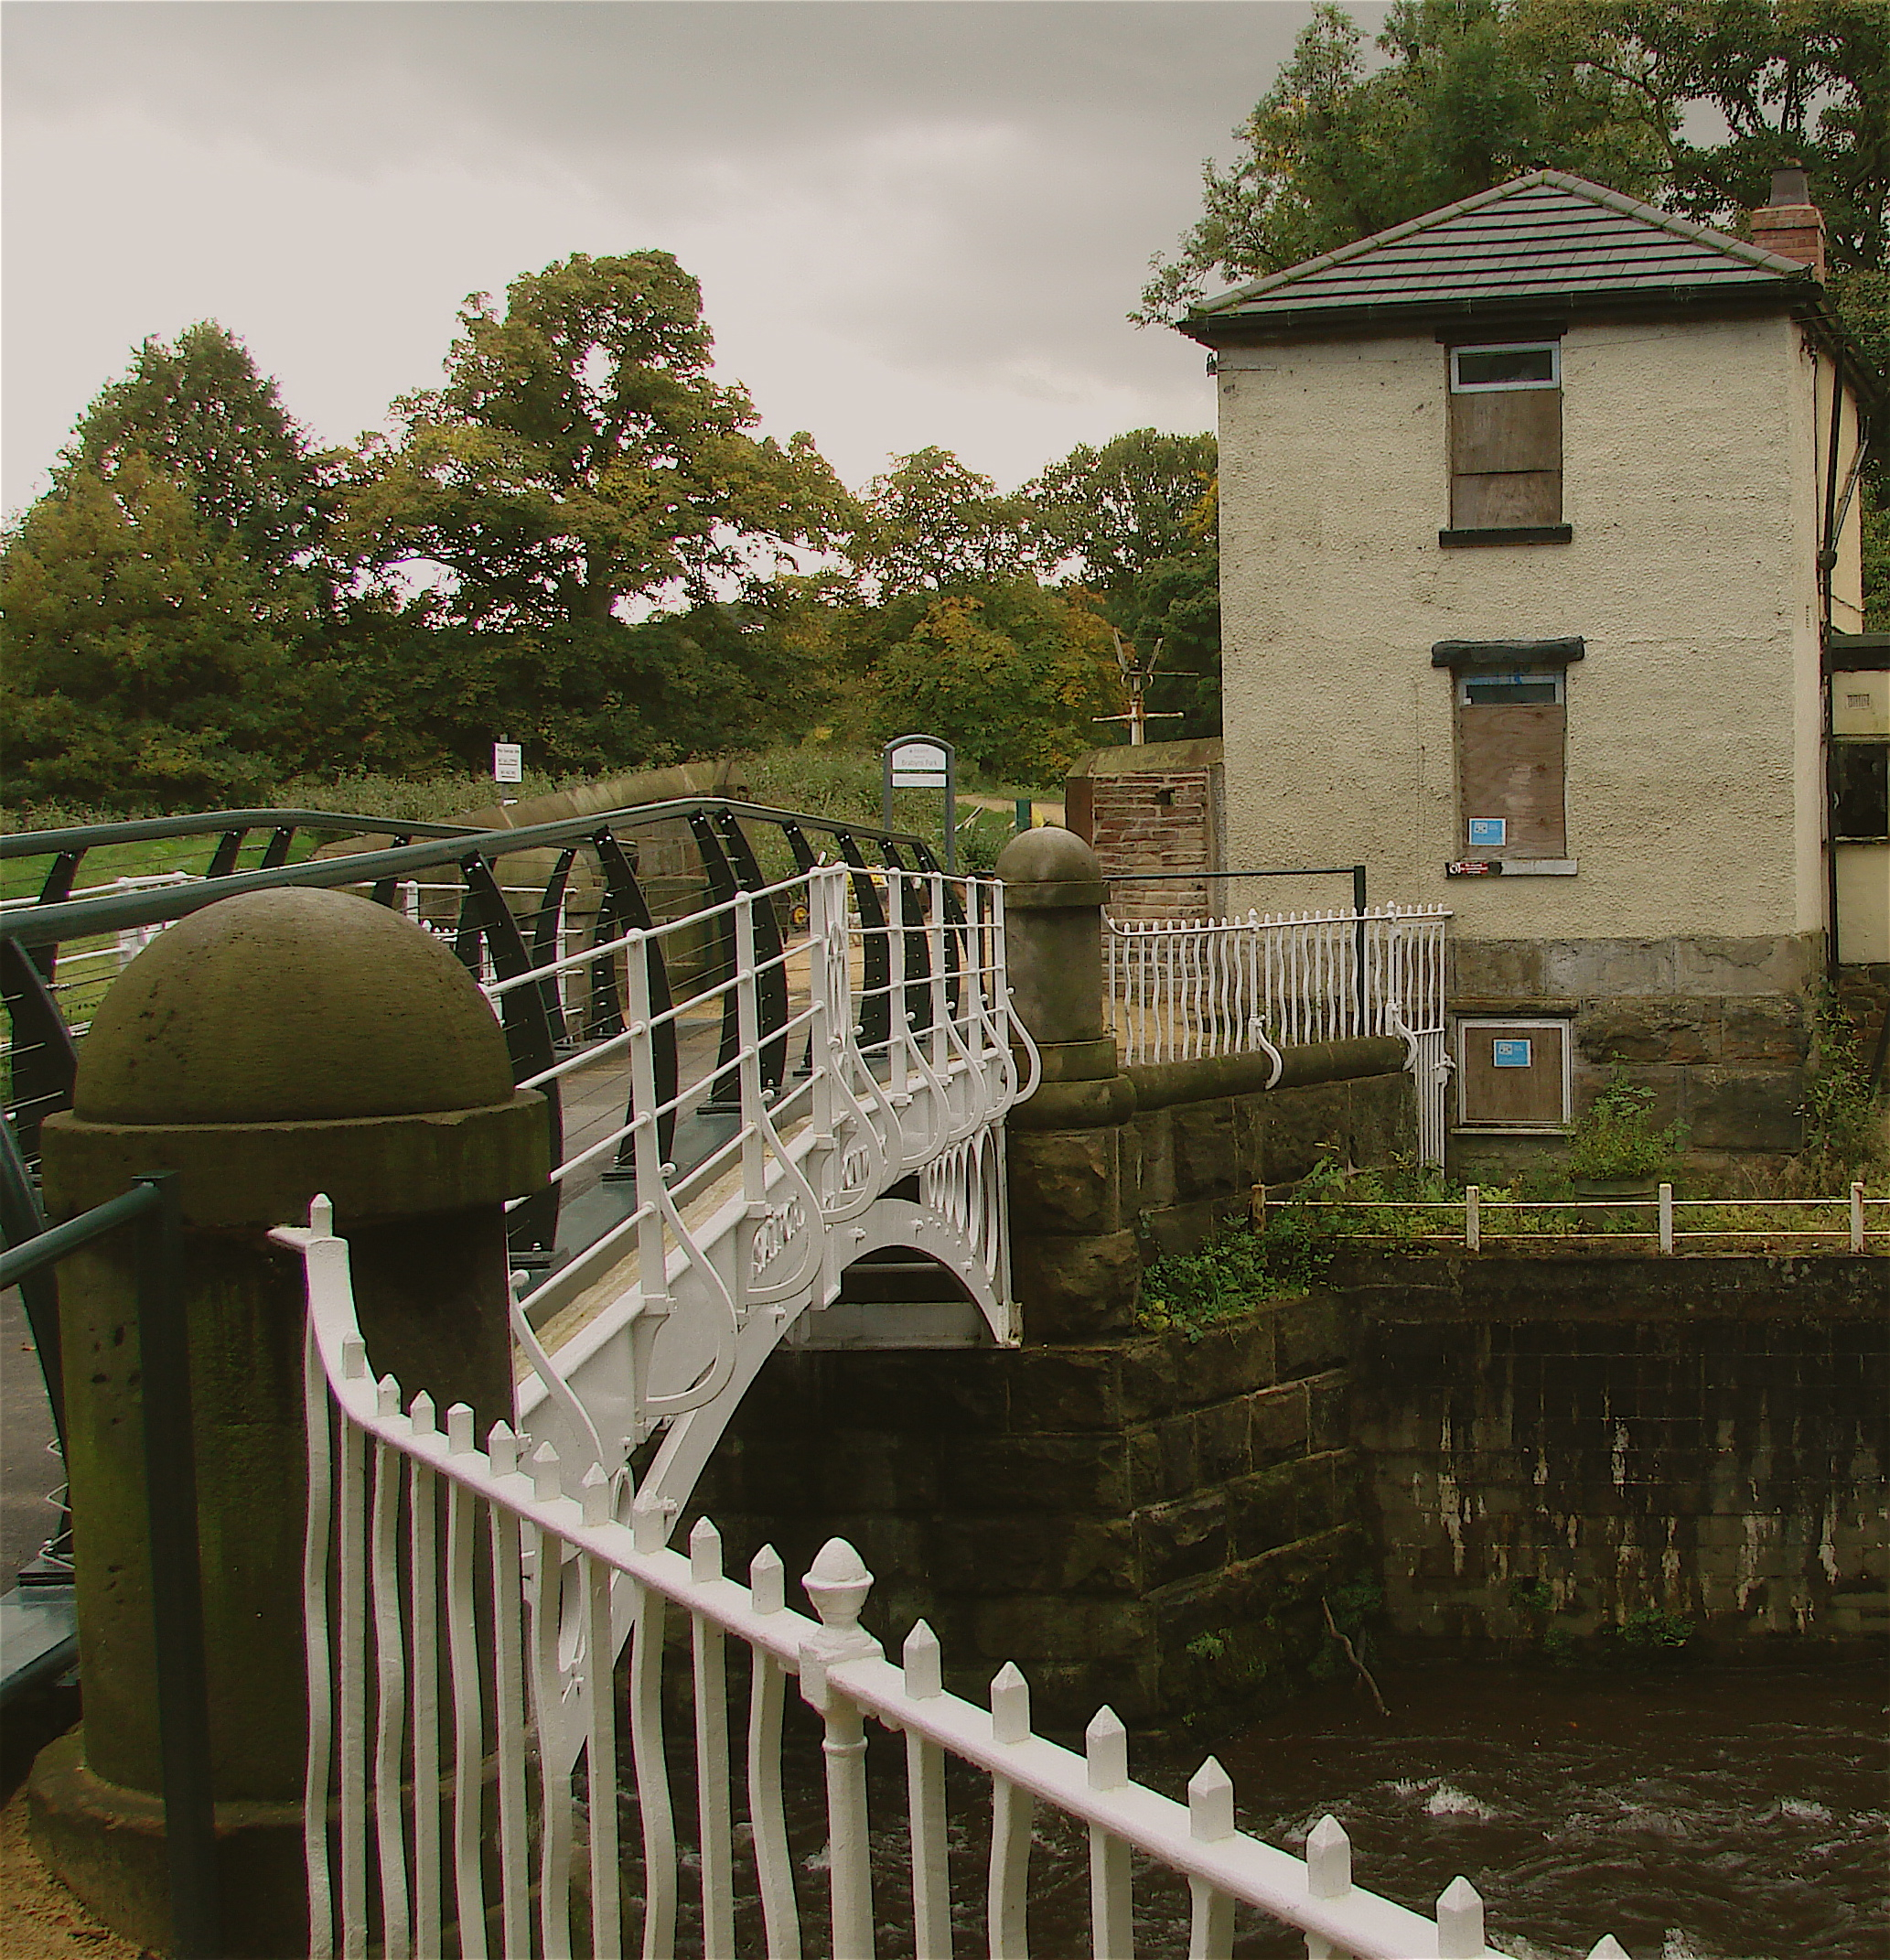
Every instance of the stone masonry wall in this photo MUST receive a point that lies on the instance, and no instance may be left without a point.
(1717, 1027)
(1703, 1438)
(1161, 822)
(1149, 1522)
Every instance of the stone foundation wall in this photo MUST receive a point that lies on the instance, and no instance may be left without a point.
(1863, 993)
(1703, 1438)
(1149, 1522)
(1718, 1029)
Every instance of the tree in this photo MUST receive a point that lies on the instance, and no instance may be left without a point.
(146, 661)
(1113, 514)
(933, 525)
(1476, 91)
(1013, 675)
(1331, 153)
(1134, 523)
(202, 416)
(579, 456)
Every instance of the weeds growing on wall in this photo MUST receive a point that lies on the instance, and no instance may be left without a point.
(1844, 1122)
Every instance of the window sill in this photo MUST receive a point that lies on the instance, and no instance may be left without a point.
(1509, 534)
(1510, 1129)
(1510, 867)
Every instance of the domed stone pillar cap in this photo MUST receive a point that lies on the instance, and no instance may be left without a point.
(1048, 869)
(291, 1005)
(279, 1043)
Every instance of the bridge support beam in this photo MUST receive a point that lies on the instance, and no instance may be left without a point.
(1072, 1159)
(274, 1046)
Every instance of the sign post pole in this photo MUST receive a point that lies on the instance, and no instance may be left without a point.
(921, 762)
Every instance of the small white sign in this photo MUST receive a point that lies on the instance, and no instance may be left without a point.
(508, 763)
(918, 765)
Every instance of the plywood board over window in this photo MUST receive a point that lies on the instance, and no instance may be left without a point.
(1512, 1074)
(1505, 438)
(1510, 772)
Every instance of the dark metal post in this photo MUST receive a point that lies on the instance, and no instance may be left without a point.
(177, 1584)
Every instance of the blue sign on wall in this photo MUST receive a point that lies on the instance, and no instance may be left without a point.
(1489, 830)
(1510, 1055)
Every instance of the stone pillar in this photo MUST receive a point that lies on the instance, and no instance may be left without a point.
(1072, 1154)
(272, 1046)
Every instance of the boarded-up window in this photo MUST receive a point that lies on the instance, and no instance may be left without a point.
(1510, 737)
(1512, 1074)
(1506, 436)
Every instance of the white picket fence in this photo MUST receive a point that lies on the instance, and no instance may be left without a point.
(1181, 990)
(460, 1602)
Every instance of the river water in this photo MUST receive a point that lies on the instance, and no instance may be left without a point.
(1696, 1812)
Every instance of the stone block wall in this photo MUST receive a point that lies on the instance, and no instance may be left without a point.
(1149, 1522)
(1719, 1029)
(1703, 1438)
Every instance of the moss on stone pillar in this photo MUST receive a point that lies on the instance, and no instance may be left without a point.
(269, 1048)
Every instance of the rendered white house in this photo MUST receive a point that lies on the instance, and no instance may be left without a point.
(1540, 594)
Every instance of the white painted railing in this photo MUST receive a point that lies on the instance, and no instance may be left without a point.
(1181, 990)
(461, 1601)
(716, 1260)
(1827, 1223)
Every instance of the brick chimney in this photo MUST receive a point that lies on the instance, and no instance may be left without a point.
(1792, 225)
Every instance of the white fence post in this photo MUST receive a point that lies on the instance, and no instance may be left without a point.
(1666, 1218)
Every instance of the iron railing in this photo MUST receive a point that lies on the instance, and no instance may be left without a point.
(454, 1589)
(1185, 989)
(516, 904)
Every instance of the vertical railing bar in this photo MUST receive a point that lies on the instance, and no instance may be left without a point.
(653, 1776)
(422, 1577)
(469, 1749)
(316, 1554)
(352, 1736)
(391, 1699)
(547, 1606)
(600, 1762)
(509, 1722)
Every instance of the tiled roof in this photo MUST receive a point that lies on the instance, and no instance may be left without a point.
(1549, 235)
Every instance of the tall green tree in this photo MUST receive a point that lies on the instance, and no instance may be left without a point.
(579, 457)
(200, 413)
(1012, 673)
(932, 524)
(1475, 91)
(1134, 520)
(147, 663)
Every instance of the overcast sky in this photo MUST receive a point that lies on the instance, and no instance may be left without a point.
(914, 220)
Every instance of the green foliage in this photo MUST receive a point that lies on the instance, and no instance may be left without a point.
(1648, 1633)
(1194, 1292)
(200, 415)
(1530, 1594)
(578, 455)
(1559, 1646)
(1844, 1120)
(1211, 1646)
(933, 525)
(1476, 91)
(1013, 675)
(146, 661)
(1614, 1138)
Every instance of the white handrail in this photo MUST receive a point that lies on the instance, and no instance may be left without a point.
(556, 1554)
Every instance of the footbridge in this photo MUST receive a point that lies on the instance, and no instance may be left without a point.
(776, 1052)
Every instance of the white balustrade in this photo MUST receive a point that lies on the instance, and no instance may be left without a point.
(1183, 990)
(537, 1574)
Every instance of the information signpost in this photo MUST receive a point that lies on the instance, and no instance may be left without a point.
(921, 762)
(508, 763)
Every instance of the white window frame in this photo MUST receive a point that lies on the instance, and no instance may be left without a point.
(1534, 676)
(1463, 1023)
(1552, 347)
